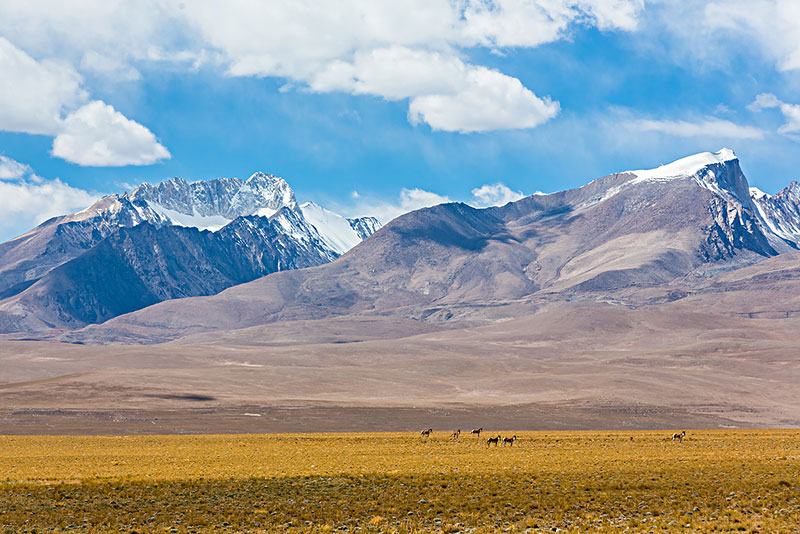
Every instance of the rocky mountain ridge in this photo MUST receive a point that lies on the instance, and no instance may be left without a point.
(61, 274)
(634, 239)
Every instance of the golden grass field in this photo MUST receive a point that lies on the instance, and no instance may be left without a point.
(715, 481)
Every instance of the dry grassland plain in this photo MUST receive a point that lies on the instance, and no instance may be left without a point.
(715, 481)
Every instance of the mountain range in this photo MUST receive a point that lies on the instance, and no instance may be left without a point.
(637, 238)
(664, 297)
(159, 242)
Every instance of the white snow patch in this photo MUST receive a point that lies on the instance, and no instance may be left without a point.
(757, 194)
(334, 229)
(265, 212)
(300, 232)
(684, 167)
(211, 222)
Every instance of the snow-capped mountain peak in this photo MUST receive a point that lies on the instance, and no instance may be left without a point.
(262, 194)
(213, 204)
(780, 212)
(718, 172)
(685, 167)
(758, 194)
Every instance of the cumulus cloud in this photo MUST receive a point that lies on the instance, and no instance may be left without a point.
(394, 49)
(98, 135)
(444, 92)
(27, 200)
(764, 101)
(791, 113)
(525, 23)
(33, 94)
(494, 195)
(489, 100)
(708, 127)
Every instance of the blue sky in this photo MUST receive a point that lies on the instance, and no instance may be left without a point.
(377, 107)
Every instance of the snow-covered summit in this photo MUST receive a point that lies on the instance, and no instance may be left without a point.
(213, 204)
(718, 172)
(685, 167)
(780, 212)
(261, 194)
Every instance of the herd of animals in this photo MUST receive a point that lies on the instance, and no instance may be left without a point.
(497, 440)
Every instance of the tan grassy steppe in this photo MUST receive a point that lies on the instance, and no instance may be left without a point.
(715, 481)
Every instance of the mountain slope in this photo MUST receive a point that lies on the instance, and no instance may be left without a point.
(781, 212)
(98, 263)
(206, 205)
(142, 265)
(635, 238)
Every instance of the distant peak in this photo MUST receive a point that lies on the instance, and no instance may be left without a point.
(686, 166)
(757, 193)
(264, 177)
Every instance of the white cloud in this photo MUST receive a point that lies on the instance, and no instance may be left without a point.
(98, 135)
(394, 73)
(402, 50)
(394, 49)
(770, 24)
(708, 127)
(444, 92)
(27, 200)
(489, 100)
(764, 101)
(411, 199)
(711, 34)
(414, 199)
(526, 23)
(108, 66)
(33, 94)
(494, 195)
(791, 112)
(11, 169)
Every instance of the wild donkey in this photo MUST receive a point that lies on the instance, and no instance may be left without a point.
(493, 441)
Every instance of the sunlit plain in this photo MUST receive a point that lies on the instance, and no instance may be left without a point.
(714, 481)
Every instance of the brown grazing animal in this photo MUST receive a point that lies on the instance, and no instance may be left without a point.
(477, 431)
(679, 437)
(493, 441)
(455, 434)
(426, 433)
(510, 441)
